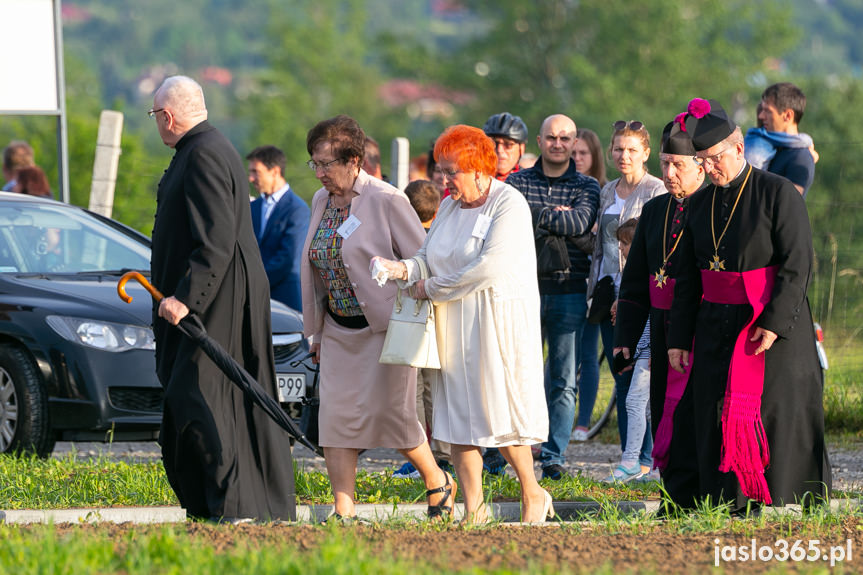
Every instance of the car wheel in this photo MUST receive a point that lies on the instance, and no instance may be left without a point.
(23, 405)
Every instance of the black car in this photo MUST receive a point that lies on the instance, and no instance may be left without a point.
(77, 363)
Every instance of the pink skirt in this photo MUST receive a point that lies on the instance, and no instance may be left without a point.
(364, 404)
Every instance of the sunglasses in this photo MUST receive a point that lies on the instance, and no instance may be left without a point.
(634, 125)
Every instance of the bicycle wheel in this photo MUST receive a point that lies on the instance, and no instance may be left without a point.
(606, 399)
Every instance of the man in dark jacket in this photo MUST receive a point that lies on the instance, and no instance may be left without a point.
(563, 203)
(225, 459)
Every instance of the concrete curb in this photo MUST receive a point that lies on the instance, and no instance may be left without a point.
(95, 515)
(508, 513)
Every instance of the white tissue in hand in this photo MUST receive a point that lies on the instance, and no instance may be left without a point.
(380, 273)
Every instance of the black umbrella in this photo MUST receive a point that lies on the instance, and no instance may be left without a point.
(193, 328)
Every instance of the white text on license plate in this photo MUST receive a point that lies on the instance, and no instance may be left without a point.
(292, 386)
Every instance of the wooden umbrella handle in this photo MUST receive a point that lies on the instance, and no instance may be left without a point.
(121, 287)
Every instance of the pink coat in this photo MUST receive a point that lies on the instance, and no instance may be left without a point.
(389, 227)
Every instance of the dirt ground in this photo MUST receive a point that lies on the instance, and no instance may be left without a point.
(529, 548)
(578, 549)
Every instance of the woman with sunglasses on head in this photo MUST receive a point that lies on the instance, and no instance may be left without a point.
(620, 200)
(364, 403)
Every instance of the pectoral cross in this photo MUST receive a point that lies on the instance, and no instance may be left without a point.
(660, 277)
(717, 265)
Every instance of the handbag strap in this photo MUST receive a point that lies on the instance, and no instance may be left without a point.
(398, 304)
(424, 274)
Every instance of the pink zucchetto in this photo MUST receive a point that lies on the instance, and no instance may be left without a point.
(698, 107)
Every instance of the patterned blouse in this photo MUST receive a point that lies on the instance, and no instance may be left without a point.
(325, 253)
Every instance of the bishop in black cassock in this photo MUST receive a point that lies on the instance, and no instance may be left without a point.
(753, 225)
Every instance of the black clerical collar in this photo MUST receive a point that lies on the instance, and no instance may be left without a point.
(202, 126)
(738, 179)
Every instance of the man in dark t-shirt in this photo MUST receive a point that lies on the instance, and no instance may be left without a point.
(797, 165)
(781, 110)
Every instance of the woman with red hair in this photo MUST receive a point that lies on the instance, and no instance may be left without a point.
(482, 279)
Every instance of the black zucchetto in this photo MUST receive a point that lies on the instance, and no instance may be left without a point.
(707, 123)
(676, 140)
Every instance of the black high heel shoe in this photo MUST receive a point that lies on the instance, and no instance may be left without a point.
(442, 510)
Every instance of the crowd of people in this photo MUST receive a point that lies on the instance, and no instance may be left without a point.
(695, 283)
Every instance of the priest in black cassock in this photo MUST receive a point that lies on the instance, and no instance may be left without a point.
(745, 260)
(646, 290)
(224, 458)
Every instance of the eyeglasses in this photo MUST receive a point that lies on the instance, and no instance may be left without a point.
(323, 166)
(634, 125)
(151, 113)
(447, 173)
(505, 143)
(714, 159)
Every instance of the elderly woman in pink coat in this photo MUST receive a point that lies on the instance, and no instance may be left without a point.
(364, 404)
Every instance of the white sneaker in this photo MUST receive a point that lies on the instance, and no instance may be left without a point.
(578, 435)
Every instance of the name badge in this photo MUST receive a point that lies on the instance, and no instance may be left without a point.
(349, 226)
(480, 228)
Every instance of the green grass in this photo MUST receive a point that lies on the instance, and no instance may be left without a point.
(28, 482)
(173, 550)
(843, 388)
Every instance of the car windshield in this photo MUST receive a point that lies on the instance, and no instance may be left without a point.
(56, 238)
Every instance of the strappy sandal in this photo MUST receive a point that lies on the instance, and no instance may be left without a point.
(442, 510)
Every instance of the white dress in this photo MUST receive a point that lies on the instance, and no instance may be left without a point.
(489, 391)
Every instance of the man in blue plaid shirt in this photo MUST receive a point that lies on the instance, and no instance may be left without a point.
(563, 203)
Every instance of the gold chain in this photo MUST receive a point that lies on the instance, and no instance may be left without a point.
(716, 264)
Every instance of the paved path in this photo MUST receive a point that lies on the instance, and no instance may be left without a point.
(593, 459)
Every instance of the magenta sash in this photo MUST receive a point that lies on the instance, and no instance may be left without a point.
(744, 441)
(661, 298)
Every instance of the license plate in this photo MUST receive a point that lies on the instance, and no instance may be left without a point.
(292, 386)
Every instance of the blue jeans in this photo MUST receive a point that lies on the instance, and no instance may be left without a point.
(637, 414)
(588, 373)
(621, 385)
(563, 317)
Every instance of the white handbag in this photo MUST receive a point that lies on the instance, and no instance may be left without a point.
(411, 338)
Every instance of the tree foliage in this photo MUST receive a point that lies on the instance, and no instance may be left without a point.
(835, 200)
(317, 68)
(604, 60)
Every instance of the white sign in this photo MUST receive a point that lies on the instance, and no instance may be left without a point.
(28, 66)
